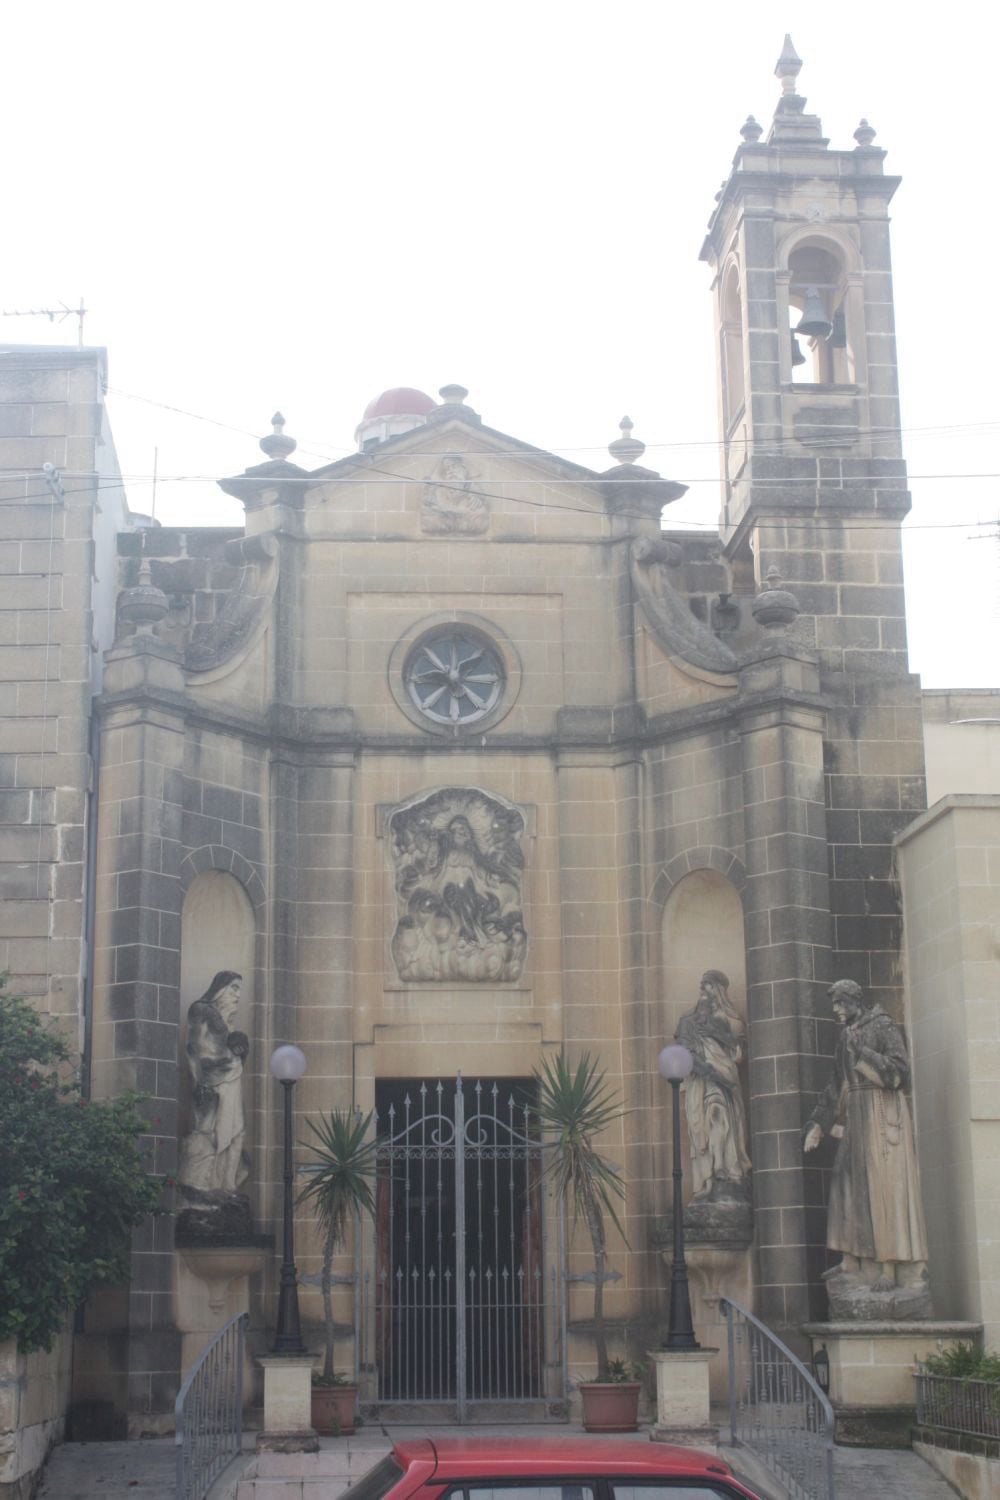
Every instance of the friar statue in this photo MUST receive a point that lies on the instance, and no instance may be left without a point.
(212, 1159)
(875, 1220)
(714, 1033)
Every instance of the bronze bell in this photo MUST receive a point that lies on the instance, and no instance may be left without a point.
(798, 358)
(814, 322)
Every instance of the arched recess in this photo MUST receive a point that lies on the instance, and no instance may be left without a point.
(218, 931)
(731, 333)
(819, 278)
(702, 928)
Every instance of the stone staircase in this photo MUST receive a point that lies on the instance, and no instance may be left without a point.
(144, 1470)
(141, 1470)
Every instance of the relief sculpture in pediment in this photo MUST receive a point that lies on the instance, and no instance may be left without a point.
(450, 506)
(458, 870)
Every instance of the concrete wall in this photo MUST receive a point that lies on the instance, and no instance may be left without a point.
(961, 741)
(949, 864)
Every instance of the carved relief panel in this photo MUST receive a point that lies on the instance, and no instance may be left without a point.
(457, 868)
(450, 506)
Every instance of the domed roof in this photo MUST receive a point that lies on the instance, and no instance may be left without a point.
(401, 401)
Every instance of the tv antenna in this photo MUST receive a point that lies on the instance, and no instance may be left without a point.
(54, 314)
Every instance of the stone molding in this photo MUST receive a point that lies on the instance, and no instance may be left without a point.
(705, 858)
(218, 857)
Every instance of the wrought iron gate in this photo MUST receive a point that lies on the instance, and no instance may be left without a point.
(463, 1292)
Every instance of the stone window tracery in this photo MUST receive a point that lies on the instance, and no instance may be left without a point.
(454, 675)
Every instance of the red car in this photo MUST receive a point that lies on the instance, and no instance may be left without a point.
(529, 1468)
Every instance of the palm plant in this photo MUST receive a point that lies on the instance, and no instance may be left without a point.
(575, 1106)
(340, 1189)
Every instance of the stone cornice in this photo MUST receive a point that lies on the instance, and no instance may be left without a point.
(302, 732)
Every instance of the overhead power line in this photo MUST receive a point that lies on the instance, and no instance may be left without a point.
(389, 477)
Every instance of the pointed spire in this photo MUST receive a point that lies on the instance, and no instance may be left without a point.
(788, 67)
(791, 123)
(626, 449)
(276, 444)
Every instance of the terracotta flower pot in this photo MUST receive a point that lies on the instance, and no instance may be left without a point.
(611, 1406)
(333, 1409)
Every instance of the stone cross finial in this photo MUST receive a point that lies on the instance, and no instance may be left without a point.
(626, 449)
(788, 67)
(276, 444)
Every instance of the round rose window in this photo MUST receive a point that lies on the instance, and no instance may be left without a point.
(454, 675)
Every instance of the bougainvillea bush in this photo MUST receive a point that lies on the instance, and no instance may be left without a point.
(72, 1182)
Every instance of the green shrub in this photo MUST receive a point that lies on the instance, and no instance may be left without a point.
(72, 1182)
(964, 1361)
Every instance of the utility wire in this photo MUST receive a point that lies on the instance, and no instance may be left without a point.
(816, 524)
(984, 427)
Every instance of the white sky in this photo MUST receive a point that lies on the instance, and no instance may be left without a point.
(300, 204)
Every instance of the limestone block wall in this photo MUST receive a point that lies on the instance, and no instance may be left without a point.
(51, 412)
(949, 862)
(33, 1394)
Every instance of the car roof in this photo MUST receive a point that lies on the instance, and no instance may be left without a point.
(455, 1458)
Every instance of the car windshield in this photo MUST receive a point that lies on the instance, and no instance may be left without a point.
(377, 1482)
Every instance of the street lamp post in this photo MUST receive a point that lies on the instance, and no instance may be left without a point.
(675, 1064)
(288, 1065)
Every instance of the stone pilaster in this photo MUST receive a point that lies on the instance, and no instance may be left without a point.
(129, 1354)
(788, 938)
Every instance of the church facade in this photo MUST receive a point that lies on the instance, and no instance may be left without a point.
(452, 759)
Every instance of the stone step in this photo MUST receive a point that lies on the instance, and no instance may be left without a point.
(142, 1470)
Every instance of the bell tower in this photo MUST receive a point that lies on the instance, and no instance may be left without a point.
(815, 490)
(814, 482)
(808, 390)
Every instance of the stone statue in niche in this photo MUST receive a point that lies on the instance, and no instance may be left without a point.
(875, 1219)
(715, 1033)
(213, 1162)
(450, 506)
(458, 865)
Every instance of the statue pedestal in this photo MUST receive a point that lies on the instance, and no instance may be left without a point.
(871, 1374)
(717, 1267)
(683, 1403)
(287, 1405)
(212, 1285)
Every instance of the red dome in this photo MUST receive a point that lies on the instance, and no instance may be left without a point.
(401, 401)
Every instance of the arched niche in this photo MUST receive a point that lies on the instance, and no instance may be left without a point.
(732, 349)
(818, 281)
(218, 931)
(702, 929)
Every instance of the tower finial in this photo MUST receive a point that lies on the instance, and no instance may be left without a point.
(788, 67)
(626, 449)
(791, 123)
(864, 135)
(277, 444)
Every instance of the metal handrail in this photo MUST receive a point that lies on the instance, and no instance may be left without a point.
(776, 1407)
(208, 1412)
(954, 1403)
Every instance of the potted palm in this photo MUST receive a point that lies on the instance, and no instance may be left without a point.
(340, 1190)
(574, 1106)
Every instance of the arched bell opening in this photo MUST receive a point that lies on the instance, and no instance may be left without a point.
(822, 342)
(731, 336)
